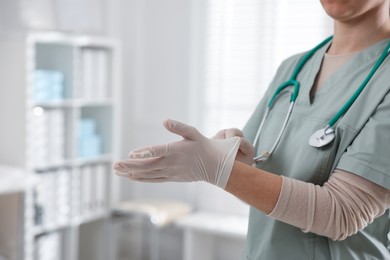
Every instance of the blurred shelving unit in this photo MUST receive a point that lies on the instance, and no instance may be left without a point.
(59, 113)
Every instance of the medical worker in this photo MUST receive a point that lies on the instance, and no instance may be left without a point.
(317, 176)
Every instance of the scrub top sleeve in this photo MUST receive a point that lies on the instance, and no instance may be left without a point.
(369, 154)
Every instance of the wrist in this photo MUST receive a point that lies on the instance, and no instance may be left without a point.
(228, 148)
(256, 187)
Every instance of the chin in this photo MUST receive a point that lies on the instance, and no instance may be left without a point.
(338, 9)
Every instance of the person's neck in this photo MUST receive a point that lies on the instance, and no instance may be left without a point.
(353, 36)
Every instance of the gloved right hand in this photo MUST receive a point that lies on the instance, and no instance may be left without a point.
(246, 151)
(194, 158)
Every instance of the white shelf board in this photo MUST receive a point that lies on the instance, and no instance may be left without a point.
(73, 103)
(94, 215)
(74, 40)
(53, 165)
(50, 227)
(47, 228)
(104, 158)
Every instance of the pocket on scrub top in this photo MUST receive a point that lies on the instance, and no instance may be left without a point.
(294, 157)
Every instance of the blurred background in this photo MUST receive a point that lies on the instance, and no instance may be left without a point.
(83, 82)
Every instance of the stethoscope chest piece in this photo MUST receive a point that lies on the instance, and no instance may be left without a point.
(322, 137)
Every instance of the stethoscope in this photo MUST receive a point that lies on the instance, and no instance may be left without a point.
(325, 135)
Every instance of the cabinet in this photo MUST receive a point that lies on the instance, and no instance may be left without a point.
(12, 187)
(59, 113)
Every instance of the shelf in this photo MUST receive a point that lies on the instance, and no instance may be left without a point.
(92, 103)
(39, 230)
(96, 215)
(54, 165)
(73, 103)
(104, 158)
(55, 104)
(74, 40)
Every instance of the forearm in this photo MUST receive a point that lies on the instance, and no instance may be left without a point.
(256, 187)
(344, 205)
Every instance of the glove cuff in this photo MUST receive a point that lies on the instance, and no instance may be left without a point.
(230, 148)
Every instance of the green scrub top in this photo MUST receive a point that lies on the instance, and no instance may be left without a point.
(361, 146)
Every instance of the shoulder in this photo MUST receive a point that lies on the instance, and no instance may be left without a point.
(289, 64)
(293, 59)
(285, 69)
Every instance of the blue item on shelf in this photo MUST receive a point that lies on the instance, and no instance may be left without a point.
(48, 85)
(90, 144)
(87, 127)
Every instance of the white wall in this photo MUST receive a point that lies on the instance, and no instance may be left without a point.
(156, 56)
(161, 41)
(156, 82)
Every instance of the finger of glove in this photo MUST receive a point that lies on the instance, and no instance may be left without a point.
(131, 166)
(146, 176)
(152, 178)
(148, 180)
(232, 132)
(149, 152)
(228, 133)
(245, 146)
(150, 175)
(220, 135)
(158, 176)
(186, 131)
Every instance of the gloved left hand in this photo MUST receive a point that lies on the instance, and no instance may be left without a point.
(195, 158)
(246, 151)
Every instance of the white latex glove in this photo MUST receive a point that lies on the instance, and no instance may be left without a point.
(195, 158)
(246, 150)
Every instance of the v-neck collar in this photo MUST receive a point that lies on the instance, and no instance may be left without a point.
(309, 75)
(312, 68)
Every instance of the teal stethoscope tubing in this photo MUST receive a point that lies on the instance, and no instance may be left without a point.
(327, 132)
